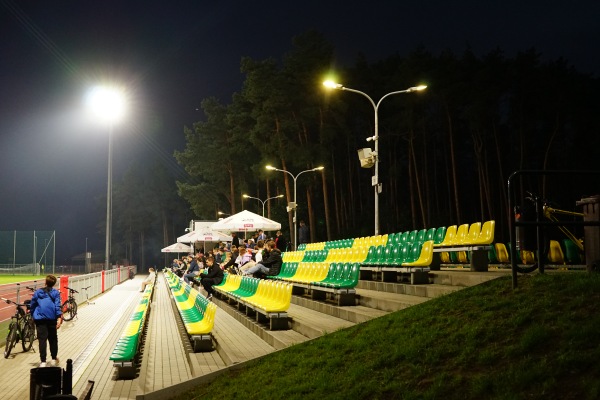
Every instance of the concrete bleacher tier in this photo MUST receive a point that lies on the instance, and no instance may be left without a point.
(196, 312)
(126, 351)
(401, 256)
(261, 299)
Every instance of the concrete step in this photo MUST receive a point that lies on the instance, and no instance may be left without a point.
(386, 301)
(276, 339)
(355, 314)
(464, 278)
(426, 290)
(234, 343)
(313, 324)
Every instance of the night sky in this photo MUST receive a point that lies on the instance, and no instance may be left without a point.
(171, 55)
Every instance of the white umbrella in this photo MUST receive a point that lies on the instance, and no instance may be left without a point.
(204, 235)
(245, 221)
(177, 248)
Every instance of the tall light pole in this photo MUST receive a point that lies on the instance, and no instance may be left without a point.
(262, 201)
(295, 205)
(375, 138)
(108, 103)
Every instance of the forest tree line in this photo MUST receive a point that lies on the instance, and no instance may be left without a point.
(445, 153)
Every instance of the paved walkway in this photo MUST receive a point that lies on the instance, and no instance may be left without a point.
(89, 339)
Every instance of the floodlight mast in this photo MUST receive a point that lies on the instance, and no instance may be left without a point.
(375, 138)
(294, 177)
(108, 103)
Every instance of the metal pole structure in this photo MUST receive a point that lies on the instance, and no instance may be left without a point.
(375, 138)
(295, 233)
(108, 200)
(263, 202)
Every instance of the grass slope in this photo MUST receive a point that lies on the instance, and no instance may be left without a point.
(486, 342)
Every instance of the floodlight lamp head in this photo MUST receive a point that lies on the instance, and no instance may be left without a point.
(332, 85)
(245, 196)
(417, 88)
(318, 168)
(269, 167)
(108, 103)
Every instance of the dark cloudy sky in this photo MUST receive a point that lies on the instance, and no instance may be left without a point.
(172, 54)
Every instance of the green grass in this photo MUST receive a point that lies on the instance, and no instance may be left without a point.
(4, 279)
(486, 342)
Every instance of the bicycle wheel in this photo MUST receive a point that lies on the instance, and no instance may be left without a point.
(69, 309)
(28, 334)
(11, 339)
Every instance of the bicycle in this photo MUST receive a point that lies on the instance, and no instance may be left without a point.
(543, 209)
(69, 307)
(21, 327)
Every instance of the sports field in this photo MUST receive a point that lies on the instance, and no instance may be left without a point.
(4, 279)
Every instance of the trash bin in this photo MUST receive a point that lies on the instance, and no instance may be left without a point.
(591, 240)
(44, 382)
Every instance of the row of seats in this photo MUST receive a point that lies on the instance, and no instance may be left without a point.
(475, 233)
(329, 275)
(406, 254)
(567, 253)
(469, 235)
(268, 298)
(126, 349)
(196, 311)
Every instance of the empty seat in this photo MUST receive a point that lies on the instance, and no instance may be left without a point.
(424, 257)
(472, 235)
(449, 236)
(461, 234)
(572, 252)
(502, 253)
(430, 234)
(439, 235)
(412, 236)
(420, 238)
(486, 235)
(555, 253)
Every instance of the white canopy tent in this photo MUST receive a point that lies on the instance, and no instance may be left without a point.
(205, 235)
(245, 221)
(177, 248)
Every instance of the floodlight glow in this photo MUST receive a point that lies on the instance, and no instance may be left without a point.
(332, 85)
(108, 103)
(417, 88)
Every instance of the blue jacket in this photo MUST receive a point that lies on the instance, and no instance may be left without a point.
(46, 304)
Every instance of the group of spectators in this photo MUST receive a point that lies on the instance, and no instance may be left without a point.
(257, 256)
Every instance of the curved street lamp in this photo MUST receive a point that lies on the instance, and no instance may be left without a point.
(262, 201)
(108, 103)
(295, 205)
(375, 138)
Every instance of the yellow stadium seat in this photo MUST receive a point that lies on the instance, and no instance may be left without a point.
(555, 254)
(502, 253)
(461, 234)
(487, 233)
(450, 235)
(472, 234)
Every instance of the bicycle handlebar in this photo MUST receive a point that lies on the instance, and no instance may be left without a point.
(71, 290)
(86, 288)
(30, 288)
(9, 301)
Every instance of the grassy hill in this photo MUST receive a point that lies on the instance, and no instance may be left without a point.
(540, 341)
